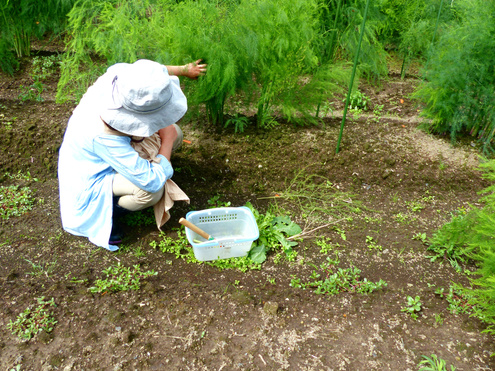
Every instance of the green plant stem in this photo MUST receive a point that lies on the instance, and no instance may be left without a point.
(403, 68)
(356, 58)
(332, 44)
(434, 35)
(334, 31)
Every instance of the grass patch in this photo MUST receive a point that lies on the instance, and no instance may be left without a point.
(120, 278)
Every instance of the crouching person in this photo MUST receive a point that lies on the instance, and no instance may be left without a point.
(100, 173)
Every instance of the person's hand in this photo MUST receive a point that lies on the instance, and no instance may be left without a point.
(194, 69)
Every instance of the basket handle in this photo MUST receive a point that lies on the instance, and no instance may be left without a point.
(194, 228)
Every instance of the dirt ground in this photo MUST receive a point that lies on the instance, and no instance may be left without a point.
(197, 317)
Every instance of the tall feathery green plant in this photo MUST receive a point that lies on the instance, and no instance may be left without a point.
(212, 31)
(339, 35)
(459, 92)
(261, 51)
(330, 16)
(472, 236)
(284, 31)
(410, 26)
(101, 33)
(21, 20)
(289, 77)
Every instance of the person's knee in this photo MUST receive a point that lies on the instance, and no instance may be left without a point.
(146, 199)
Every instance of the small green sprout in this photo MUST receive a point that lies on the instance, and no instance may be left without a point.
(414, 306)
(372, 245)
(434, 364)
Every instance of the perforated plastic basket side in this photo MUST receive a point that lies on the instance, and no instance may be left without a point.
(234, 230)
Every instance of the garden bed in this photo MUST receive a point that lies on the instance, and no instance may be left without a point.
(398, 185)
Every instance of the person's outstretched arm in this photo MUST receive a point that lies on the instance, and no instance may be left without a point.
(192, 70)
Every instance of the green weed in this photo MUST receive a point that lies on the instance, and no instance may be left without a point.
(343, 280)
(404, 218)
(378, 110)
(20, 175)
(420, 237)
(413, 306)
(242, 264)
(139, 218)
(44, 67)
(239, 122)
(271, 280)
(15, 201)
(120, 278)
(34, 320)
(39, 269)
(9, 124)
(215, 201)
(177, 246)
(341, 233)
(326, 109)
(326, 246)
(460, 301)
(274, 233)
(415, 206)
(181, 248)
(369, 219)
(427, 198)
(358, 101)
(136, 250)
(372, 245)
(434, 364)
(356, 113)
(32, 92)
(439, 319)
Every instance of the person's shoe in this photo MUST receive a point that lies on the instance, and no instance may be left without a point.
(115, 236)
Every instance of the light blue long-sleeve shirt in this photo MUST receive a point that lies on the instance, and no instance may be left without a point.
(88, 160)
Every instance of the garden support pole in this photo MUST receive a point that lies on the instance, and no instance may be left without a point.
(356, 58)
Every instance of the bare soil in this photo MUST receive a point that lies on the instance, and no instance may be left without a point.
(197, 317)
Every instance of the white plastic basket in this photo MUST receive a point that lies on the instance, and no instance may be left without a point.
(233, 228)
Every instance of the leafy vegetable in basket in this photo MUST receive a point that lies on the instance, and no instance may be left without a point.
(274, 232)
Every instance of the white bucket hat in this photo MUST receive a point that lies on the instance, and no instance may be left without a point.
(144, 99)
